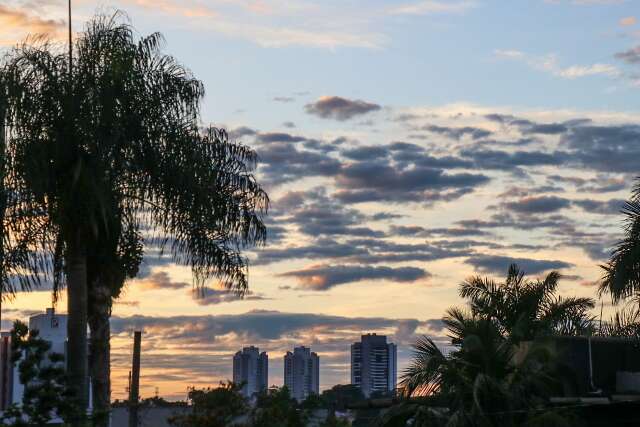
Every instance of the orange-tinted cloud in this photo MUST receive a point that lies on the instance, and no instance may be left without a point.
(175, 8)
(628, 21)
(16, 24)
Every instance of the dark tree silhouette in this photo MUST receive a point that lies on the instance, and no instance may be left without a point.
(525, 309)
(115, 161)
(621, 277)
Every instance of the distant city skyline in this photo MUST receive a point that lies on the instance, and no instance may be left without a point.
(405, 145)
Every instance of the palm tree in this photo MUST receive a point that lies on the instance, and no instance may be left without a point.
(115, 161)
(621, 277)
(479, 376)
(19, 265)
(490, 376)
(525, 309)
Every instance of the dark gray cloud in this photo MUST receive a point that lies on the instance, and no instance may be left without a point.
(386, 251)
(282, 162)
(316, 214)
(211, 296)
(504, 160)
(338, 108)
(417, 231)
(540, 204)
(458, 132)
(600, 184)
(604, 148)
(522, 222)
(363, 251)
(289, 125)
(279, 137)
(241, 132)
(379, 181)
(319, 249)
(544, 128)
(607, 207)
(500, 264)
(325, 277)
(631, 56)
(369, 152)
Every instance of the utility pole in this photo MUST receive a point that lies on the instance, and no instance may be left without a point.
(134, 391)
(70, 43)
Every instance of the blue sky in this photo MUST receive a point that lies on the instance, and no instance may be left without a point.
(405, 146)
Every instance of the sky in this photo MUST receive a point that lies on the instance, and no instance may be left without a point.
(405, 145)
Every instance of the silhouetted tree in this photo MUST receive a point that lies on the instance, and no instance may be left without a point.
(276, 408)
(218, 407)
(113, 159)
(497, 372)
(340, 396)
(524, 309)
(487, 380)
(622, 272)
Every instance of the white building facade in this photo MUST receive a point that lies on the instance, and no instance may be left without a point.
(302, 373)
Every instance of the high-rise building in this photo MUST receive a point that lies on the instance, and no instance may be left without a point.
(251, 368)
(302, 373)
(374, 364)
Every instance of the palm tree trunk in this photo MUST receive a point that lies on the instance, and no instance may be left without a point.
(99, 354)
(77, 325)
(3, 197)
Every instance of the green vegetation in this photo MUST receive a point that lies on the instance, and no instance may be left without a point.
(219, 407)
(46, 392)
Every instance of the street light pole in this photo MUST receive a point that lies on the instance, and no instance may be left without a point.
(70, 44)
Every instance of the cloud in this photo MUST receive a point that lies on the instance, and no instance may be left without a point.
(541, 204)
(271, 24)
(417, 231)
(628, 21)
(319, 249)
(631, 56)
(160, 280)
(379, 181)
(457, 133)
(429, 7)
(607, 207)
(549, 63)
(282, 162)
(284, 99)
(198, 349)
(604, 148)
(316, 214)
(338, 108)
(212, 296)
(170, 7)
(500, 264)
(15, 23)
(325, 277)
(576, 71)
